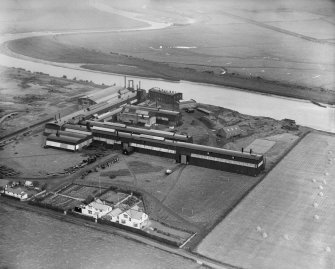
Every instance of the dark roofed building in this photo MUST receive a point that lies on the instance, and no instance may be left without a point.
(167, 97)
(162, 115)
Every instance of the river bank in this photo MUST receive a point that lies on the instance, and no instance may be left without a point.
(47, 49)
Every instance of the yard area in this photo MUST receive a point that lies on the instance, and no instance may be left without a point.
(28, 157)
(287, 220)
(199, 196)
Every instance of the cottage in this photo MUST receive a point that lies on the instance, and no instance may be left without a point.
(16, 192)
(96, 209)
(133, 218)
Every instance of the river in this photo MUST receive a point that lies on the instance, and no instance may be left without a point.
(302, 111)
(255, 104)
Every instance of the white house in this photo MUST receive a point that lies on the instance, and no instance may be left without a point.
(96, 209)
(133, 218)
(16, 192)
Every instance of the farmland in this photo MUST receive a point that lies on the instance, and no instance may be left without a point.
(286, 221)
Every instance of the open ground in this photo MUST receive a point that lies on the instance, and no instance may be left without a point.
(35, 97)
(287, 220)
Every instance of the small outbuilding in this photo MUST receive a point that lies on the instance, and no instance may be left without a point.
(229, 131)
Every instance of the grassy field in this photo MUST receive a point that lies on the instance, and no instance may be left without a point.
(276, 49)
(286, 222)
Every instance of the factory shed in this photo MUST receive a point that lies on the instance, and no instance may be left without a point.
(229, 131)
(146, 119)
(68, 140)
(101, 96)
(163, 116)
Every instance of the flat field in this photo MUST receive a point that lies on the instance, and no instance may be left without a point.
(287, 220)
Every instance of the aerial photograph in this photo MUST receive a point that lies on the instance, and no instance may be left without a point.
(167, 134)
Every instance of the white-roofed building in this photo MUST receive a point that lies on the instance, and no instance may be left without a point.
(133, 218)
(96, 209)
(16, 192)
(110, 94)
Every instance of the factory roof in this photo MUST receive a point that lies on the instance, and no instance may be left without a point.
(154, 109)
(75, 127)
(123, 127)
(219, 150)
(100, 96)
(69, 138)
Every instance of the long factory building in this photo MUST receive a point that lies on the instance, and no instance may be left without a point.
(174, 146)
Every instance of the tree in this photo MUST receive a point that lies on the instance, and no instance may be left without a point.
(89, 199)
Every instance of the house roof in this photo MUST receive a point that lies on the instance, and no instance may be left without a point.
(99, 205)
(115, 212)
(18, 191)
(135, 214)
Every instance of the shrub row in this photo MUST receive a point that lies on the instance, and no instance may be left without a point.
(48, 206)
(140, 232)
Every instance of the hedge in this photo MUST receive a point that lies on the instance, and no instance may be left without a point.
(45, 206)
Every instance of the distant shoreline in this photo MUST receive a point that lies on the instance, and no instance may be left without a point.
(259, 85)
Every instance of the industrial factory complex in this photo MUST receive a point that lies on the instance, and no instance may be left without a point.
(121, 118)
